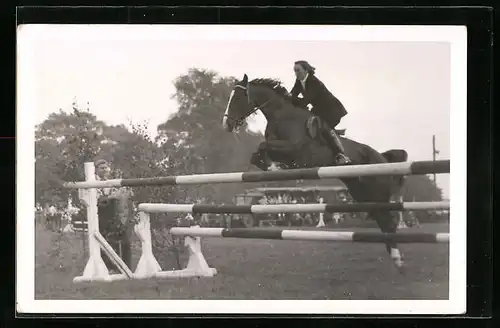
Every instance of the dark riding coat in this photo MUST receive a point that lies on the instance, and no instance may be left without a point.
(325, 104)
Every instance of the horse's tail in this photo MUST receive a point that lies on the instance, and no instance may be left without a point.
(395, 155)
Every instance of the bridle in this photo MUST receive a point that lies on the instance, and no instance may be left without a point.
(254, 106)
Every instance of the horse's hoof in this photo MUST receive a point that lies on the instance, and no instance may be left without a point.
(273, 167)
(343, 159)
(401, 267)
(258, 163)
(255, 160)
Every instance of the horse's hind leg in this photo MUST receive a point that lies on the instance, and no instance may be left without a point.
(388, 224)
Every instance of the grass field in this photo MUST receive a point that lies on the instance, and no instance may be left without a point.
(259, 269)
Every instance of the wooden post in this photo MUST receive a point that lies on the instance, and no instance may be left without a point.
(434, 153)
(95, 268)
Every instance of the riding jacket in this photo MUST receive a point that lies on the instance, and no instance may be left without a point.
(325, 104)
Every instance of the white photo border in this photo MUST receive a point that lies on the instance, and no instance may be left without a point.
(456, 36)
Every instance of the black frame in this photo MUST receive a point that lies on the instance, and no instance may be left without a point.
(479, 78)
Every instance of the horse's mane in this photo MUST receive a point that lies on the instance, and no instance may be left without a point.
(274, 85)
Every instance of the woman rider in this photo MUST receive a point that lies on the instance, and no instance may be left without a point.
(325, 105)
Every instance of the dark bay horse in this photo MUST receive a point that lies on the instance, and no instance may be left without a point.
(292, 140)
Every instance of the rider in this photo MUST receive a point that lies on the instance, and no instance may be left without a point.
(325, 105)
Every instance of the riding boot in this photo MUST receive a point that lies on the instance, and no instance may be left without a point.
(341, 158)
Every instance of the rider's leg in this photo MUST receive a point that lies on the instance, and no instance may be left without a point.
(341, 157)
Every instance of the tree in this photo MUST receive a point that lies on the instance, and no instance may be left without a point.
(421, 188)
(195, 141)
(63, 142)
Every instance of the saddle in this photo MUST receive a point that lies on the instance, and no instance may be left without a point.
(315, 125)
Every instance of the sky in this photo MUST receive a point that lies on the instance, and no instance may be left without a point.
(397, 93)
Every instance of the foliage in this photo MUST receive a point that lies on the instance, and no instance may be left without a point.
(195, 133)
(63, 142)
(420, 188)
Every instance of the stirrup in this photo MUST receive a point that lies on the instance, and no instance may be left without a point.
(342, 159)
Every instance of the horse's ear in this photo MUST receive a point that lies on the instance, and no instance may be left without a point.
(245, 79)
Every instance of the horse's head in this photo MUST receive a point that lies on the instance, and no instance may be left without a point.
(238, 107)
(266, 95)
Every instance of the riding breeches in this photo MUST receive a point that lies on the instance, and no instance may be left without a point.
(327, 117)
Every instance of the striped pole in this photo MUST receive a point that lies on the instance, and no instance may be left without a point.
(329, 172)
(333, 236)
(291, 208)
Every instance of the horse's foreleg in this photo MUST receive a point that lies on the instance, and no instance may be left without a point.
(260, 159)
(284, 154)
(263, 159)
(271, 154)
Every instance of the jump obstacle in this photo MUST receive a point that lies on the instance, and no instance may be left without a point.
(291, 208)
(328, 172)
(335, 236)
(148, 266)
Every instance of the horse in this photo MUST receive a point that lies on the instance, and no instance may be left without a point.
(294, 138)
